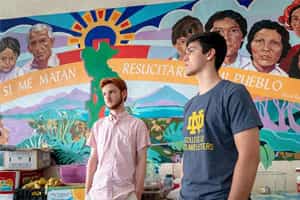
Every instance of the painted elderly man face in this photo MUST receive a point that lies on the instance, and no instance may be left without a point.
(40, 45)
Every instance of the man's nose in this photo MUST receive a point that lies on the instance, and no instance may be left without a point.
(266, 46)
(39, 46)
(185, 57)
(7, 62)
(226, 36)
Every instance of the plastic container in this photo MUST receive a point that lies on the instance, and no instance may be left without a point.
(74, 173)
(168, 182)
(270, 182)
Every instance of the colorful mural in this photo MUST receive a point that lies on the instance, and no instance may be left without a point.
(51, 65)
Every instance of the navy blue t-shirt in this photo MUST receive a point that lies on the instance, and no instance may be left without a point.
(210, 122)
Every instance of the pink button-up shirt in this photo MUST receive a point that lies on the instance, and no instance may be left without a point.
(117, 140)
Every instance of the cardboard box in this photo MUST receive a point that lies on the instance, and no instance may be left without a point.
(11, 180)
(25, 159)
(66, 193)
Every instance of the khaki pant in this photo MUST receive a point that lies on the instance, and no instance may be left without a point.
(132, 196)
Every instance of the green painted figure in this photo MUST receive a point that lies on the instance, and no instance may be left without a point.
(95, 63)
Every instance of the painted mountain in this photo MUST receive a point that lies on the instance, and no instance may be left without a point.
(67, 106)
(165, 96)
(164, 102)
(49, 106)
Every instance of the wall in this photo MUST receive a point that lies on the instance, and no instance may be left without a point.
(15, 9)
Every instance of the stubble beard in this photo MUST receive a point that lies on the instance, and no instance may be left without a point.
(116, 105)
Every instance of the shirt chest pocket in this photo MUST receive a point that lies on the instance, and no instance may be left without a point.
(125, 139)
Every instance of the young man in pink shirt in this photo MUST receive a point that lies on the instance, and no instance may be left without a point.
(117, 164)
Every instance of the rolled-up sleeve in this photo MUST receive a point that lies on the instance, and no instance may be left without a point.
(91, 141)
(143, 135)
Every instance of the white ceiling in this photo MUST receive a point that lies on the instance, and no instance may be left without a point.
(21, 8)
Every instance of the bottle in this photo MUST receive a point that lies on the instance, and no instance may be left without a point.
(298, 179)
(168, 182)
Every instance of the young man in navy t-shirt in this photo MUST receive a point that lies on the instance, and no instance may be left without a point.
(221, 128)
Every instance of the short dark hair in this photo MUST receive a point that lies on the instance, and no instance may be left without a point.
(185, 27)
(10, 43)
(237, 17)
(119, 83)
(294, 71)
(211, 40)
(268, 24)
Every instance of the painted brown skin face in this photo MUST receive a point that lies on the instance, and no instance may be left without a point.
(40, 45)
(266, 48)
(8, 60)
(181, 46)
(233, 35)
(295, 21)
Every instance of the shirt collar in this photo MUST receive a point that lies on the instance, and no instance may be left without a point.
(117, 117)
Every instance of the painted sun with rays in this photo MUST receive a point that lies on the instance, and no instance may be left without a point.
(97, 26)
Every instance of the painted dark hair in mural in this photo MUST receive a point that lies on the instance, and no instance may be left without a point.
(211, 40)
(185, 27)
(294, 71)
(119, 83)
(10, 43)
(268, 24)
(237, 17)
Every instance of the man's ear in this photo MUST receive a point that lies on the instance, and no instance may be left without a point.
(52, 41)
(124, 95)
(210, 54)
(29, 48)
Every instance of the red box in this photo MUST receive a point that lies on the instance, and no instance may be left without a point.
(11, 180)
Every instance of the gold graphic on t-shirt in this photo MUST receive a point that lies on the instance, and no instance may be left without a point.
(195, 122)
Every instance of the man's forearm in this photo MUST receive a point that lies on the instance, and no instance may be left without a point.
(140, 174)
(243, 178)
(91, 168)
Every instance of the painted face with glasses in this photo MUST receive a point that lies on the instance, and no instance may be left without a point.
(7, 60)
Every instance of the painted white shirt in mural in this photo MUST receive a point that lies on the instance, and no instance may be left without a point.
(276, 71)
(14, 73)
(240, 62)
(31, 66)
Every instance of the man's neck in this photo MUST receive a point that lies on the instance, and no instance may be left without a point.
(230, 59)
(208, 79)
(40, 64)
(118, 110)
(265, 69)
